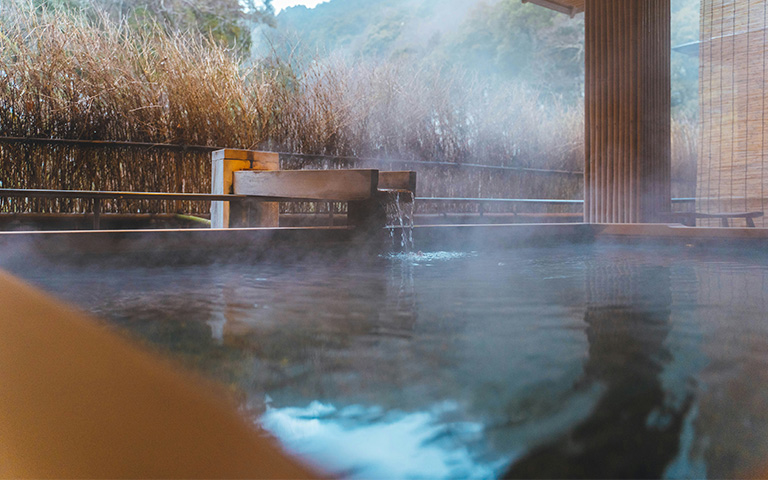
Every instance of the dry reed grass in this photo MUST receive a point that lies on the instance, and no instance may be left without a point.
(65, 76)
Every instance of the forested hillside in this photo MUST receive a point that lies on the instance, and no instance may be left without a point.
(504, 39)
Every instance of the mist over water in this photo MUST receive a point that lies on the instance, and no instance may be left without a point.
(462, 364)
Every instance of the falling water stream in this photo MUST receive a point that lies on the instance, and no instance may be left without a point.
(400, 206)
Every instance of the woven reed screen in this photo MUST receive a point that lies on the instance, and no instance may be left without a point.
(732, 162)
(143, 169)
(77, 167)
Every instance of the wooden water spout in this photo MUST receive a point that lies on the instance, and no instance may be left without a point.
(256, 176)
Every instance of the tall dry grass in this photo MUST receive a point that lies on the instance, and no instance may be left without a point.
(397, 110)
(72, 77)
(77, 77)
(64, 76)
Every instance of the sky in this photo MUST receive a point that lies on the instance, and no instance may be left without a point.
(281, 4)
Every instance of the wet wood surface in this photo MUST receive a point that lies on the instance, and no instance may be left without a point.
(77, 400)
(398, 180)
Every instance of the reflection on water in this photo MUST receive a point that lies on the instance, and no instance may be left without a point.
(632, 432)
(559, 362)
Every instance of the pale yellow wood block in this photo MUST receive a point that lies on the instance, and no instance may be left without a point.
(224, 164)
(258, 160)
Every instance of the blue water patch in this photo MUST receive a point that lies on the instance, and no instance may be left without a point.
(368, 442)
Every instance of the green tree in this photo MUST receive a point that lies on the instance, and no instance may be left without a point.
(228, 22)
(524, 43)
(685, 67)
(508, 40)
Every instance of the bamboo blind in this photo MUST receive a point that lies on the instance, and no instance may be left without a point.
(732, 162)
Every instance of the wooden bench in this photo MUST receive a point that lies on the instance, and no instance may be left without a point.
(689, 218)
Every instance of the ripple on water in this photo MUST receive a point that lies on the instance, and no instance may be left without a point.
(420, 258)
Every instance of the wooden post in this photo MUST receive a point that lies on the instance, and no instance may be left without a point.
(627, 100)
(369, 216)
(224, 164)
(96, 213)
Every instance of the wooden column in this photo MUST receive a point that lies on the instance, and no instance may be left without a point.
(224, 164)
(627, 101)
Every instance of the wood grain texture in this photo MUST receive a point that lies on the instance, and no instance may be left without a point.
(627, 101)
(224, 163)
(79, 401)
(259, 160)
(335, 185)
(401, 180)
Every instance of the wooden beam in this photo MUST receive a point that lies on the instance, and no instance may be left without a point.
(569, 7)
(331, 185)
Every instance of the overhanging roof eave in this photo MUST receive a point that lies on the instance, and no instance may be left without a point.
(569, 7)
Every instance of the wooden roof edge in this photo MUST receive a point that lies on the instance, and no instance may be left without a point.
(569, 7)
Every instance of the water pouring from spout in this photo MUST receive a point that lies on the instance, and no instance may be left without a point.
(399, 206)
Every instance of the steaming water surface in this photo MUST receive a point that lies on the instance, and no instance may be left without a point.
(579, 361)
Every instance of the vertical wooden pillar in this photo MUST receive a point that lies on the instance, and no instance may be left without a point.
(224, 164)
(627, 101)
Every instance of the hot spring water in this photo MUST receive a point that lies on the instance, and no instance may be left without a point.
(582, 360)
